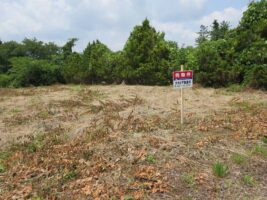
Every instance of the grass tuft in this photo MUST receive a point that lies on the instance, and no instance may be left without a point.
(235, 88)
(2, 168)
(248, 180)
(188, 179)
(238, 159)
(220, 170)
(128, 197)
(261, 150)
(69, 176)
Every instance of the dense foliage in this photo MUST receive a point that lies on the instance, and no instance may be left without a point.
(222, 57)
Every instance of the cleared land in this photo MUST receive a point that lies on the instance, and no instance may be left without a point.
(125, 142)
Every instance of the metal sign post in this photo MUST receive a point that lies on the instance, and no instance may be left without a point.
(182, 79)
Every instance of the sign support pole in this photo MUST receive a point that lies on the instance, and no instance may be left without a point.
(182, 103)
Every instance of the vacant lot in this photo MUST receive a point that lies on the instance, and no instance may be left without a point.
(125, 142)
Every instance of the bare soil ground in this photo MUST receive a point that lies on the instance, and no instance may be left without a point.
(125, 142)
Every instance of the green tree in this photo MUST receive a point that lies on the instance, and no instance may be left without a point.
(218, 30)
(96, 58)
(67, 48)
(8, 50)
(203, 35)
(147, 56)
(73, 69)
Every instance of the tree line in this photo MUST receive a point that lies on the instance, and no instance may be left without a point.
(222, 57)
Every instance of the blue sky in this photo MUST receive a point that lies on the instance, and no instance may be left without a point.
(111, 21)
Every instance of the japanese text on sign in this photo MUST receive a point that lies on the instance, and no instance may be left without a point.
(183, 79)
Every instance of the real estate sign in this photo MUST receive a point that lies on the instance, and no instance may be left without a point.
(183, 79)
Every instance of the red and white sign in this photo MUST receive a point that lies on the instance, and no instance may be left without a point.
(182, 79)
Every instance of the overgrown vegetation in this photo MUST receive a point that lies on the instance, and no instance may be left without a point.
(223, 57)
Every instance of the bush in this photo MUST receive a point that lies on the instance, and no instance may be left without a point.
(257, 77)
(27, 71)
(4, 80)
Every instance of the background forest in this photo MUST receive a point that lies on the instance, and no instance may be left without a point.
(222, 57)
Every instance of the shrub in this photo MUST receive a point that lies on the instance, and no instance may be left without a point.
(4, 80)
(256, 77)
(27, 71)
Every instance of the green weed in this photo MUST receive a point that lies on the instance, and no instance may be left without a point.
(37, 198)
(220, 170)
(248, 180)
(76, 87)
(36, 144)
(15, 110)
(235, 88)
(2, 168)
(69, 175)
(243, 105)
(4, 155)
(188, 179)
(151, 159)
(238, 159)
(259, 149)
(128, 197)
(264, 139)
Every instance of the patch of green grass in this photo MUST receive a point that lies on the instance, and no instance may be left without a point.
(76, 87)
(222, 92)
(151, 159)
(37, 198)
(245, 105)
(264, 139)
(56, 139)
(36, 144)
(43, 114)
(128, 197)
(261, 150)
(2, 168)
(248, 180)
(235, 88)
(238, 159)
(188, 179)
(220, 170)
(4, 155)
(15, 110)
(69, 175)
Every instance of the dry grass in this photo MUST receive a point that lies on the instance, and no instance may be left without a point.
(119, 142)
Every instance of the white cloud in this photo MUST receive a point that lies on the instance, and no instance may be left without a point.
(32, 17)
(108, 20)
(177, 32)
(230, 14)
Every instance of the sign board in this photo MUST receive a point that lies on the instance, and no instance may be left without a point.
(183, 79)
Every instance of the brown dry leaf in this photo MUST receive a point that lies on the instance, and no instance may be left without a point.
(201, 178)
(201, 144)
(87, 190)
